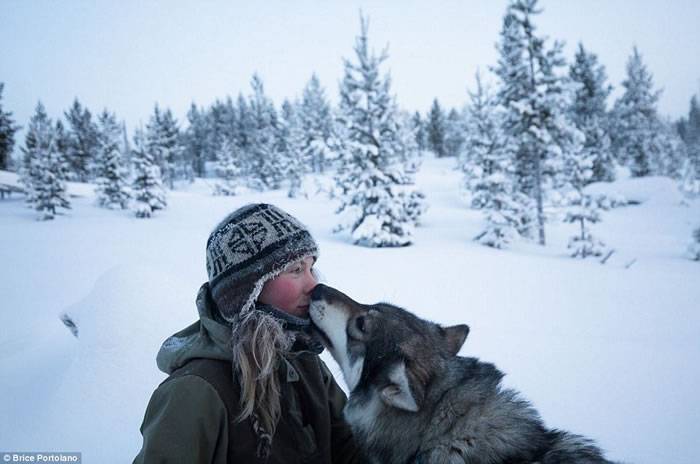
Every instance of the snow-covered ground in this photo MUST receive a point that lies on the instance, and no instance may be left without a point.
(610, 351)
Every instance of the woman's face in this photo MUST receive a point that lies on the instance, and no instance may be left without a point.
(291, 290)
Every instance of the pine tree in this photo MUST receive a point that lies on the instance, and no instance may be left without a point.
(228, 168)
(690, 171)
(589, 113)
(316, 122)
(43, 169)
(436, 129)
(486, 161)
(7, 134)
(377, 200)
(536, 101)
(147, 188)
(419, 128)
(454, 133)
(583, 208)
(84, 142)
(63, 144)
(293, 141)
(164, 145)
(195, 140)
(694, 247)
(264, 150)
(484, 147)
(112, 185)
(672, 151)
(636, 142)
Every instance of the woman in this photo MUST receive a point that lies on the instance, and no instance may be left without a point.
(245, 382)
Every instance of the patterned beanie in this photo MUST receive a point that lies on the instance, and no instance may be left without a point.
(249, 247)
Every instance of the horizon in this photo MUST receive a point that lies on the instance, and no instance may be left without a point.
(128, 57)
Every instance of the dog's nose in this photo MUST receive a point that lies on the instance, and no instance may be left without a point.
(319, 292)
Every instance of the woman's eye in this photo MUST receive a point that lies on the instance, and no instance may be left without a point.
(295, 270)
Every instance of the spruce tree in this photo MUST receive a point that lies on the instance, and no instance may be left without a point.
(165, 146)
(694, 247)
(7, 134)
(316, 121)
(536, 103)
(228, 168)
(419, 128)
(112, 184)
(636, 123)
(265, 147)
(589, 113)
(690, 171)
(147, 188)
(43, 169)
(454, 133)
(84, 142)
(195, 140)
(378, 203)
(436, 129)
(583, 208)
(487, 163)
(293, 141)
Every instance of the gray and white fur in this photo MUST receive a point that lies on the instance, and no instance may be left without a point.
(413, 400)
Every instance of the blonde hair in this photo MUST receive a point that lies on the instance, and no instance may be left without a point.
(258, 341)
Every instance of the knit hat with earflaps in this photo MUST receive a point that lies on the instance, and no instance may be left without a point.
(249, 247)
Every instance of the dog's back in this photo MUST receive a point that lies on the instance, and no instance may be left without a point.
(413, 399)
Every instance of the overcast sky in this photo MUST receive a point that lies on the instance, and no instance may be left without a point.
(127, 55)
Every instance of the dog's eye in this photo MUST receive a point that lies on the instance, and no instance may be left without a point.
(360, 323)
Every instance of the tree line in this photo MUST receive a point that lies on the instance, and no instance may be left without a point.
(533, 139)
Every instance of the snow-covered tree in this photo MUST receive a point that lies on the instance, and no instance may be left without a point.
(636, 122)
(316, 120)
(694, 247)
(487, 163)
(112, 189)
(583, 209)
(195, 139)
(672, 152)
(264, 149)
(147, 188)
(84, 143)
(378, 202)
(293, 141)
(589, 112)
(690, 171)
(43, 170)
(165, 147)
(7, 134)
(536, 101)
(228, 168)
(454, 133)
(436, 129)
(419, 128)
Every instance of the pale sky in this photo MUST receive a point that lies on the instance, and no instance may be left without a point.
(127, 55)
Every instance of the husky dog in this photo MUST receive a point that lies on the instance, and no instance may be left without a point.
(413, 400)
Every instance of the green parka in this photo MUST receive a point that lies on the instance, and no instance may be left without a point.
(191, 415)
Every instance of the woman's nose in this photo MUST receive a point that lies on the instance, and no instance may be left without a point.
(310, 281)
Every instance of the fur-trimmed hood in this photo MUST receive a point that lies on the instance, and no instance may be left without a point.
(209, 338)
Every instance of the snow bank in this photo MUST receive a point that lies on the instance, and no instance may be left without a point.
(98, 401)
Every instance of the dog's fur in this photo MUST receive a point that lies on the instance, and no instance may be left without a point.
(412, 399)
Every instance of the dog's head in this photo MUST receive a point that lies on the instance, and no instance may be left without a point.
(382, 346)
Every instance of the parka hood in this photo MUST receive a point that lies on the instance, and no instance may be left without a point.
(207, 338)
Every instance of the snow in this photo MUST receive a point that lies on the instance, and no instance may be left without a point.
(609, 351)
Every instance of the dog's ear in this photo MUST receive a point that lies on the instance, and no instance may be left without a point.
(454, 337)
(398, 393)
